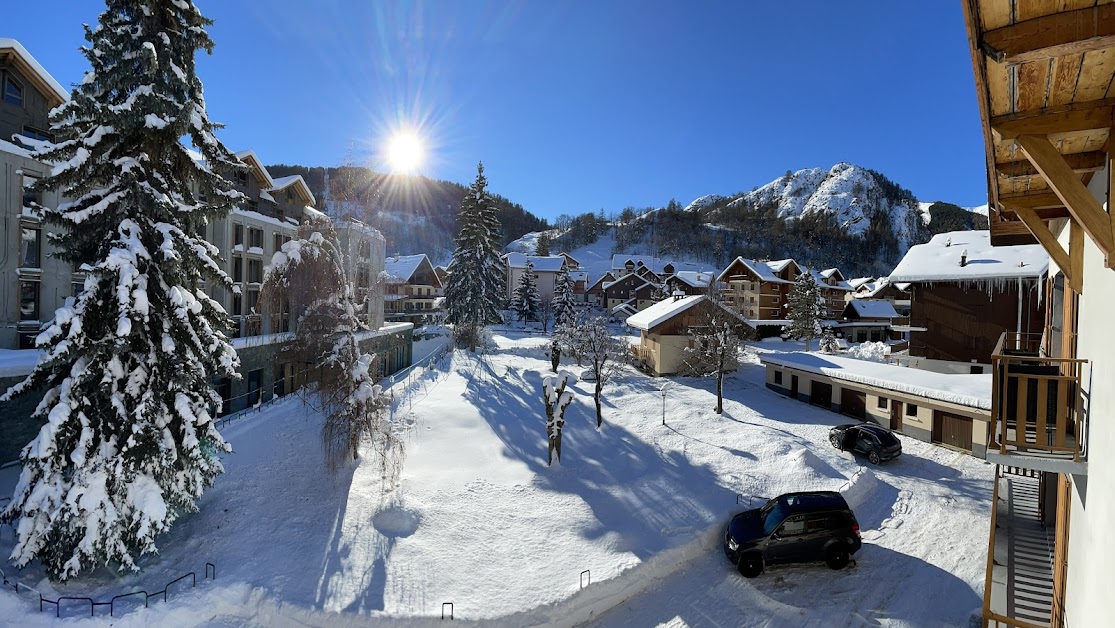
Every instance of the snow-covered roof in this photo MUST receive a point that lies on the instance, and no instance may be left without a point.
(829, 272)
(973, 391)
(655, 264)
(859, 281)
(578, 275)
(760, 269)
(634, 279)
(40, 73)
(695, 279)
(245, 156)
(663, 311)
(873, 308)
(400, 268)
(823, 281)
(541, 263)
(939, 260)
(625, 307)
(284, 182)
(781, 264)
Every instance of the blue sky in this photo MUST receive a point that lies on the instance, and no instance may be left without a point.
(576, 106)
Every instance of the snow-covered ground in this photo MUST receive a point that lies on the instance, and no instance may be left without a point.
(478, 519)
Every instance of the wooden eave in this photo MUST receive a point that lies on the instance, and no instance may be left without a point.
(1045, 84)
(11, 57)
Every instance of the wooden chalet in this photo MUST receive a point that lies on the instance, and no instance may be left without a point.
(631, 289)
(1045, 86)
(594, 294)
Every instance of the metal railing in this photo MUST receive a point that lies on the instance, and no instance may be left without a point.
(1037, 401)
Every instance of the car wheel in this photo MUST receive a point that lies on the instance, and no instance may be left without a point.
(835, 440)
(836, 556)
(750, 565)
(873, 457)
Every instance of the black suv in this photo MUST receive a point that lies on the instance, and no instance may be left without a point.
(878, 444)
(793, 528)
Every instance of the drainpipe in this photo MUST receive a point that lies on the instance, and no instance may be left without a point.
(1018, 330)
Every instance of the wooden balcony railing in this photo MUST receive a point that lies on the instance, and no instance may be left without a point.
(1036, 400)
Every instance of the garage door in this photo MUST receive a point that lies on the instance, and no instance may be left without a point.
(952, 429)
(820, 395)
(853, 403)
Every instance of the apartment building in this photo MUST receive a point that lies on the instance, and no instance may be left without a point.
(1043, 83)
(412, 288)
(755, 290)
(544, 267)
(833, 289)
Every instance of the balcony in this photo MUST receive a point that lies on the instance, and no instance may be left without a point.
(1018, 590)
(1037, 413)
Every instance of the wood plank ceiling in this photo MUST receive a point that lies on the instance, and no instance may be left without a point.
(1043, 68)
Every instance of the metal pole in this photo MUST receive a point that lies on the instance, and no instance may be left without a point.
(663, 406)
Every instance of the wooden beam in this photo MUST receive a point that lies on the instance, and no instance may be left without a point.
(1084, 208)
(1055, 35)
(1085, 116)
(1032, 200)
(1092, 161)
(1076, 257)
(1047, 240)
(983, 95)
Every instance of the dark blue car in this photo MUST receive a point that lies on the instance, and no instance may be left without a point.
(793, 528)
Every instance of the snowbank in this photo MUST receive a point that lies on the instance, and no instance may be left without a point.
(869, 351)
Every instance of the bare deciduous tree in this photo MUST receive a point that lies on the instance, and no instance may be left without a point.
(557, 399)
(308, 277)
(716, 334)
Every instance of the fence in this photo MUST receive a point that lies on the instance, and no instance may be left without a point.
(17, 586)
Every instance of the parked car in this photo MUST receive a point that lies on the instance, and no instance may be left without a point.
(793, 528)
(877, 443)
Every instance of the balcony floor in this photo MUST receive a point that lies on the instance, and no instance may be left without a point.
(1033, 455)
(1022, 575)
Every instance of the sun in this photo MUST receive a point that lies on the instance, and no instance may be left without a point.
(404, 152)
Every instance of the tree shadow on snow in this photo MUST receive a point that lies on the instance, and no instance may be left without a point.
(643, 494)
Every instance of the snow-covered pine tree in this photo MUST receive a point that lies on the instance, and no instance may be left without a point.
(828, 342)
(474, 291)
(804, 309)
(129, 442)
(525, 300)
(564, 303)
(542, 245)
(308, 275)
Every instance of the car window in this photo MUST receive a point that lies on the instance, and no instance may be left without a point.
(818, 522)
(773, 517)
(793, 526)
(888, 439)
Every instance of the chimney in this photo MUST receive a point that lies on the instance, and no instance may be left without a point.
(964, 257)
(678, 294)
(948, 242)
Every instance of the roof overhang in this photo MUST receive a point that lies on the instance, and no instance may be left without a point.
(1043, 74)
(14, 54)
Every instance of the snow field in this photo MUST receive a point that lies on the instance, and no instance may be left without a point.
(478, 519)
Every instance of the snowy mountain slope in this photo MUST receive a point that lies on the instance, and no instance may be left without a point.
(852, 194)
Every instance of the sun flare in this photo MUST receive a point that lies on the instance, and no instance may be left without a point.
(404, 152)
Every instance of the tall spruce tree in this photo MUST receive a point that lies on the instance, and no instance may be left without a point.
(474, 292)
(804, 308)
(128, 443)
(564, 303)
(525, 300)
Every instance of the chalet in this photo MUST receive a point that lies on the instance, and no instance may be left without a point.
(865, 320)
(571, 262)
(665, 331)
(690, 282)
(833, 290)
(631, 289)
(546, 269)
(580, 284)
(662, 268)
(1043, 77)
(442, 276)
(594, 294)
(964, 294)
(754, 290)
(897, 294)
(411, 288)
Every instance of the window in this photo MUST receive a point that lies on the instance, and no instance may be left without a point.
(237, 305)
(255, 379)
(976, 369)
(237, 268)
(255, 271)
(253, 206)
(13, 91)
(29, 246)
(776, 299)
(280, 240)
(253, 300)
(238, 235)
(242, 177)
(224, 389)
(31, 198)
(255, 238)
(77, 287)
(28, 300)
(911, 410)
(37, 134)
(778, 377)
(883, 403)
(793, 526)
